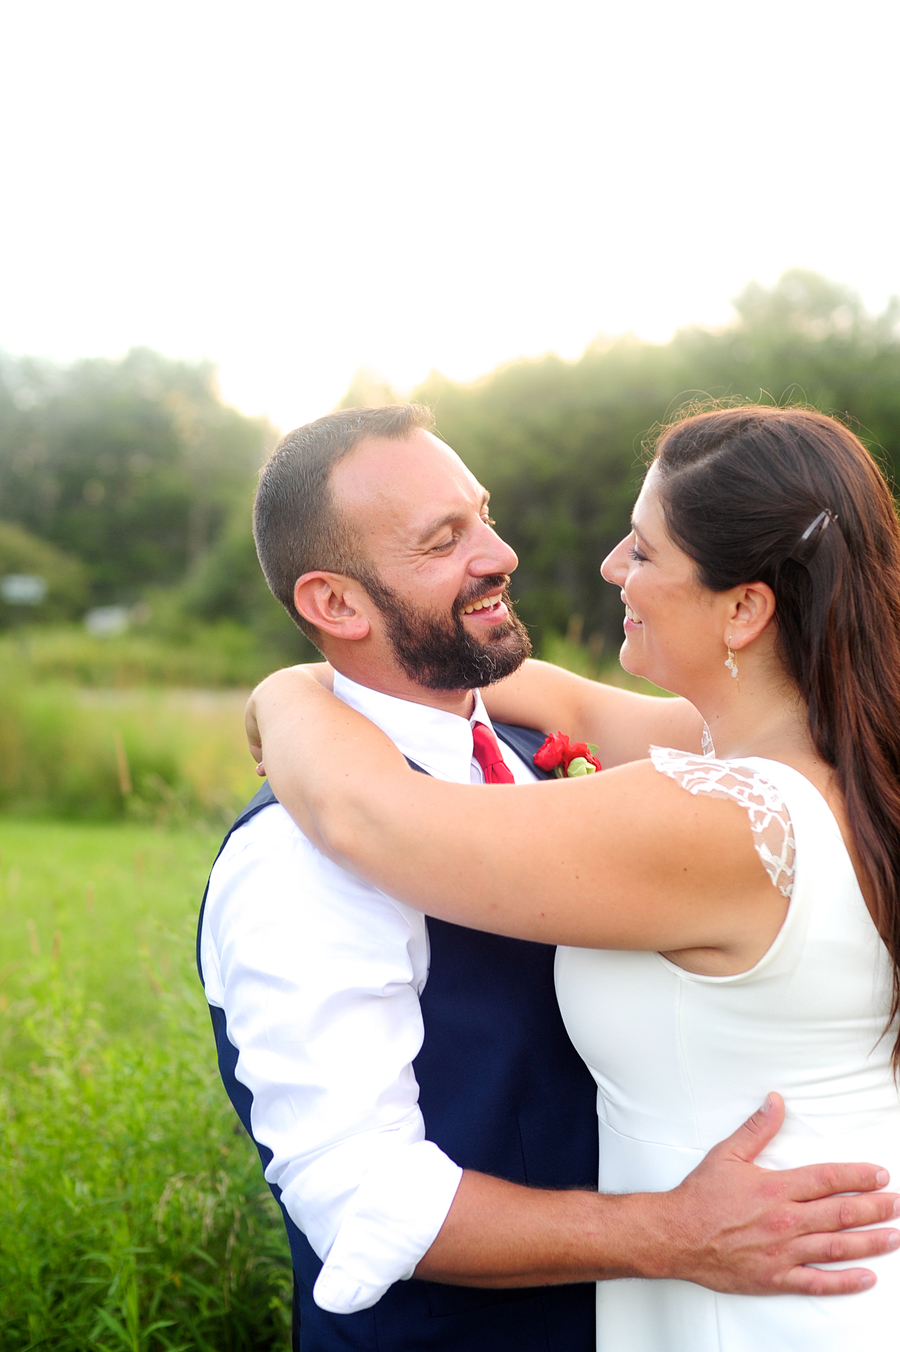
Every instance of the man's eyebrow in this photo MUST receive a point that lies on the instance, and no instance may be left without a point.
(449, 519)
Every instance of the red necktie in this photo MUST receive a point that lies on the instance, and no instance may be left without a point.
(486, 750)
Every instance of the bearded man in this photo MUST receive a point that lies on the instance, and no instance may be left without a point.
(416, 1103)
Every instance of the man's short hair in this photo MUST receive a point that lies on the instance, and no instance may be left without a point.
(296, 524)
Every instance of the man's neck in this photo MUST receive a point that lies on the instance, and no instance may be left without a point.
(399, 686)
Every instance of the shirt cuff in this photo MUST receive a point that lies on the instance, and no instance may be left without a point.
(397, 1212)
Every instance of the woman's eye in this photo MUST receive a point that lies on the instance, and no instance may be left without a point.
(636, 554)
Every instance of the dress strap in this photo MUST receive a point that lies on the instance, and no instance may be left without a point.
(770, 822)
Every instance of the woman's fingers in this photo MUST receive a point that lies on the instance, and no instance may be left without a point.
(251, 729)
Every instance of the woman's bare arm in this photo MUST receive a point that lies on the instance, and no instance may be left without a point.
(625, 859)
(622, 724)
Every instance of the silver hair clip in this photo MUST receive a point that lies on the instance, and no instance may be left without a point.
(811, 538)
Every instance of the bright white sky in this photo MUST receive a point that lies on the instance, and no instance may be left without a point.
(297, 189)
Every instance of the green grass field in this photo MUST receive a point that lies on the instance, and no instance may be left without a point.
(113, 905)
(133, 1214)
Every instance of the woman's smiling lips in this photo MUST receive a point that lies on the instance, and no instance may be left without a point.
(631, 620)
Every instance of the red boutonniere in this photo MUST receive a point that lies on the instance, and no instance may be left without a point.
(567, 759)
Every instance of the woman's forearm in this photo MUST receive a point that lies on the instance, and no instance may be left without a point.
(538, 695)
(301, 732)
(622, 724)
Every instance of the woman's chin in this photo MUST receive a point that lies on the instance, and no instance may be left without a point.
(635, 667)
(630, 661)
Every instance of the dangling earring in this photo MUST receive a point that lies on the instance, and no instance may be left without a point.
(730, 661)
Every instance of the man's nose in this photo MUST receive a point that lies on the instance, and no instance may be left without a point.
(494, 554)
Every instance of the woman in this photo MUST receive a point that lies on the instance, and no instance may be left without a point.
(730, 923)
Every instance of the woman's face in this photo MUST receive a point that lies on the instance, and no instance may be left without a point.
(675, 628)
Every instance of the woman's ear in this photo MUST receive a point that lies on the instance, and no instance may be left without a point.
(752, 609)
(334, 603)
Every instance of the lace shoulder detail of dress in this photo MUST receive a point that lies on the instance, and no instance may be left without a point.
(770, 822)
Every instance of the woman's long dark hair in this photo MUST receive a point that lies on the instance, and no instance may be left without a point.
(740, 487)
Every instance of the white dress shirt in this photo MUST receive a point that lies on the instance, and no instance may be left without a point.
(319, 975)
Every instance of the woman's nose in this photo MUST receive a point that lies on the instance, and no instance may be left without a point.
(613, 567)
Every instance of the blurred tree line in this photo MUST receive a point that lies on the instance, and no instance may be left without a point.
(560, 445)
(125, 481)
(129, 481)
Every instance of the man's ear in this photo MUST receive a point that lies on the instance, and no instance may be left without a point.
(334, 603)
(753, 608)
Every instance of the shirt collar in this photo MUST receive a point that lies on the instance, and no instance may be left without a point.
(440, 742)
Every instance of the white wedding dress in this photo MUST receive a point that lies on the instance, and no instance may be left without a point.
(681, 1059)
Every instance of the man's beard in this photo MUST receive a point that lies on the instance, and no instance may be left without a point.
(440, 653)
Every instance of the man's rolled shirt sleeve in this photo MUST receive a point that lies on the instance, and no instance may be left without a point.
(319, 976)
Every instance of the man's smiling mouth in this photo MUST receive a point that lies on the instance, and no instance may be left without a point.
(486, 603)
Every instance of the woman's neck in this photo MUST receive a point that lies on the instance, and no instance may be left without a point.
(781, 736)
(759, 714)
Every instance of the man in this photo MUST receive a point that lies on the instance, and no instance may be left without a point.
(415, 1101)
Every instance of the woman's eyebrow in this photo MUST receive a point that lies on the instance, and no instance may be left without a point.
(638, 534)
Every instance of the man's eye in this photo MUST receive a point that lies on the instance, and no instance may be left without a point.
(444, 545)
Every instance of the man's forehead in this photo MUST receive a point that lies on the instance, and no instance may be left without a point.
(400, 476)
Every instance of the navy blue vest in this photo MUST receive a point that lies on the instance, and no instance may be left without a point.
(502, 1091)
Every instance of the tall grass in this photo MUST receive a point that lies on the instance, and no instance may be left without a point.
(116, 904)
(133, 1213)
(132, 1210)
(212, 656)
(145, 754)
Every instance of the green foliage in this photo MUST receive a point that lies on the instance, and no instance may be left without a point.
(176, 651)
(127, 480)
(227, 586)
(133, 1213)
(137, 469)
(65, 575)
(134, 465)
(560, 445)
(143, 754)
